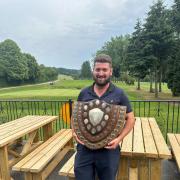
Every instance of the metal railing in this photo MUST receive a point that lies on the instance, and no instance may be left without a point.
(166, 112)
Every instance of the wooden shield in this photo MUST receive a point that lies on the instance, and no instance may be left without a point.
(96, 122)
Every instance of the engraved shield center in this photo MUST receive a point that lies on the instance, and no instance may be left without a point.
(95, 116)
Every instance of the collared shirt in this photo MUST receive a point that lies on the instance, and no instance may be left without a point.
(113, 95)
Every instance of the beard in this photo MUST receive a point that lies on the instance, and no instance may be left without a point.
(101, 82)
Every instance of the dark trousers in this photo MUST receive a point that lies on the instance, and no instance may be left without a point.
(102, 161)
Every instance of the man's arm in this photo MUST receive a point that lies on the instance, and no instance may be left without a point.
(130, 120)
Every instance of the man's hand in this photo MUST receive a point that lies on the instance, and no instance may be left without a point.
(77, 139)
(127, 128)
(113, 144)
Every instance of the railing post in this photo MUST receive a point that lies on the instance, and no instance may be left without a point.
(70, 109)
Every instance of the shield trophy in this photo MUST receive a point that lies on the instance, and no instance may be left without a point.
(96, 122)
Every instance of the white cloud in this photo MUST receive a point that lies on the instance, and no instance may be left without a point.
(64, 33)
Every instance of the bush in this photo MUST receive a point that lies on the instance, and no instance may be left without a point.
(127, 79)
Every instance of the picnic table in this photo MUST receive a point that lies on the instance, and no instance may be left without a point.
(12, 131)
(142, 152)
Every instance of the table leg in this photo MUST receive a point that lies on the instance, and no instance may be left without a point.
(155, 173)
(36, 139)
(47, 131)
(123, 169)
(37, 176)
(4, 165)
(29, 142)
(71, 178)
(28, 176)
(133, 170)
(143, 169)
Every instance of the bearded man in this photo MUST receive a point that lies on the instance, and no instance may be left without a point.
(103, 161)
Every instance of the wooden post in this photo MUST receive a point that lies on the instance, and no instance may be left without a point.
(155, 165)
(47, 131)
(143, 168)
(28, 176)
(123, 169)
(133, 170)
(4, 165)
(37, 176)
(71, 178)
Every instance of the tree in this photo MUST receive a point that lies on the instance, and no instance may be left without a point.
(176, 17)
(47, 73)
(174, 71)
(135, 61)
(116, 48)
(86, 70)
(173, 75)
(33, 67)
(158, 40)
(16, 70)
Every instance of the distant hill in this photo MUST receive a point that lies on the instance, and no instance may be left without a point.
(69, 72)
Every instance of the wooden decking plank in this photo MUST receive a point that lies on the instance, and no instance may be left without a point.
(149, 144)
(18, 166)
(43, 152)
(51, 153)
(138, 145)
(127, 146)
(26, 130)
(175, 147)
(161, 145)
(64, 171)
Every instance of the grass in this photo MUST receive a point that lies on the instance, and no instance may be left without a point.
(66, 88)
(43, 93)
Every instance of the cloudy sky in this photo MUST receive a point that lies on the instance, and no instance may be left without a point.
(64, 33)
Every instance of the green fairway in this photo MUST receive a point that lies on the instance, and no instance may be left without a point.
(40, 94)
(167, 115)
(66, 88)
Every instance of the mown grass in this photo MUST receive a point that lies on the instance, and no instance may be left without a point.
(67, 88)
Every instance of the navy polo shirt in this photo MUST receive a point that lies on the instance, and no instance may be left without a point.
(113, 95)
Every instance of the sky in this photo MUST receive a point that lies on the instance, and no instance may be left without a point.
(65, 33)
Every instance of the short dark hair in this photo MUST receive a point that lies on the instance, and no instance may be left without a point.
(103, 58)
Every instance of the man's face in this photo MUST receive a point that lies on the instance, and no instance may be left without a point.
(102, 73)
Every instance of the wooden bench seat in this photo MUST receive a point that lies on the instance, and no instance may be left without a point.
(39, 164)
(68, 168)
(174, 140)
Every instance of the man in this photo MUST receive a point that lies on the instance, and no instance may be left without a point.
(102, 161)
